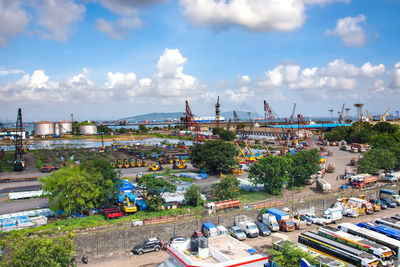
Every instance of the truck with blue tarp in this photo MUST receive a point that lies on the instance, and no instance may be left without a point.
(283, 218)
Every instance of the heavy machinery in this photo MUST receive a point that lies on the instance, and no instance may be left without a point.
(132, 163)
(291, 119)
(266, 148)
(383, 118)
(128, 206)
(340, 119)
(120, 164)
(141, 163)
(247, 158)
(178, 164)
(156, 166)
(369, 116)
(257, 156)
(127, 164)
(19, 164)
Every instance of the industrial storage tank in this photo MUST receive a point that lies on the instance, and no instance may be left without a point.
(44, 128)
(57, 128)
(87, 129)
(65, 127)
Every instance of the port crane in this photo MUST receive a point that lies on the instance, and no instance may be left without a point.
(369, 116)
(18, 164)
(291, 119)
(191, 124)
(341, 114)
(383, 118)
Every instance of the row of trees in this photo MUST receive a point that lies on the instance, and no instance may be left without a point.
(290, 169)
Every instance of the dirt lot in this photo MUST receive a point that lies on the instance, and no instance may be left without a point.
(259, 243)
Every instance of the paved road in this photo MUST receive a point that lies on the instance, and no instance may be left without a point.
(259, 243)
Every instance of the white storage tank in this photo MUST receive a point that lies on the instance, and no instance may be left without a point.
(57, 128)
(87, 129)
(65, 127)
(44, 128)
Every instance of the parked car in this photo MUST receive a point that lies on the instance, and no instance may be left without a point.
(237, 233)
(262, 228)
(383, 205)
(152, 244)
(177, 239)
(376, 203)
(388, 202)
(305, 218)
(315, 219)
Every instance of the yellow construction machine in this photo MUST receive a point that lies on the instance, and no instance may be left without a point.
(132, 163)
(384, 115)
(156, 166)
(178, 164)
(129, 206)
(127, 164)
(141, 163)
(120, 165)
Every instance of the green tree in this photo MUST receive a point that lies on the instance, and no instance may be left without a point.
(272, 172)
(305, 163)
(385, 127)
(143, 128)
(21, 250)
(153, 188)
(227, 135)
(82, 188)
(377, 159)
(216, 156)
(193, 196)
(289, 255)
(105, 129)
(227, 188)
(240, 125)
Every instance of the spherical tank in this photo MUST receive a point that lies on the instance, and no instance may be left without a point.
(56, 128)
(65, 127)
(44, 128)
(88, 129)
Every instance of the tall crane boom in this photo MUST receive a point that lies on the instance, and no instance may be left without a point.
(291, 119)
(369, 116)
(341, 115)
(270, 115)
(384, 115)
(235, 116)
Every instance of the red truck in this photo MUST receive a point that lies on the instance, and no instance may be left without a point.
(112, 212)
(362, 182)
(47, 169)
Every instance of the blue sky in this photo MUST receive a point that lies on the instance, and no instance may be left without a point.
(107, 59)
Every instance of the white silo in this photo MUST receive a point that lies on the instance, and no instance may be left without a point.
(65, 127)
(57, 128)
(87, 129)
(43, 128)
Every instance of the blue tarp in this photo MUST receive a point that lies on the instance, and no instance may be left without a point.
(141, 204)
(126, 186)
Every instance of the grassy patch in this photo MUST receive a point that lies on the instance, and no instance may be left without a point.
(249, 197)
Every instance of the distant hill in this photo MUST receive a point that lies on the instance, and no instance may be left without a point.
(177, 115)
(154, 116)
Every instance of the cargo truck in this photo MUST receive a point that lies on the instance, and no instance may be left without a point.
(247, 225)
(213, 207)
(209, 230)
(323, 185)
(362, 205)
(392, 177)
(270, 220)
(390, 194)
(283, 219)
(333, 215)
(362, 181)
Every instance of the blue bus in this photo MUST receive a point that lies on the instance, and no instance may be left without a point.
(383, 229)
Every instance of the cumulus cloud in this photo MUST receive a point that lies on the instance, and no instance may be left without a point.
(394, 75)
(254, 15)
(322, 2)
(13, 20)
(119, 28)
(57, 16)
(336, 75)
(127, 7)
(349, 30)
(378, 86)
(4, 71)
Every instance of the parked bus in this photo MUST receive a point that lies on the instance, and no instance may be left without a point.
(383, 229)
(392, 223)
(379, 238)
(341, 252)
(380, 251)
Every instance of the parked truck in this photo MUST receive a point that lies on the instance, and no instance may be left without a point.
(283, 219)
(213, 207)
(363, 181)
(323, 185)
(330, 168)
(270, 220)
(247, 225)
(390, 194)
(333, 215)
(354, 161)
(209, 230)
(392, 177)
(363, 206)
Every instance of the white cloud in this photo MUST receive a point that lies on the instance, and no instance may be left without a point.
(378, 86)
(245, 78)
(322, 2)
(371, 71)
(13, 20)
(119, 28)
(336, 75)
(349, 30)
(394, 75)
(127, 7)
(4, 71)
(57, 16)
(253, 15)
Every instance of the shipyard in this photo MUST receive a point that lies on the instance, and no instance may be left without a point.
(199, 133)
